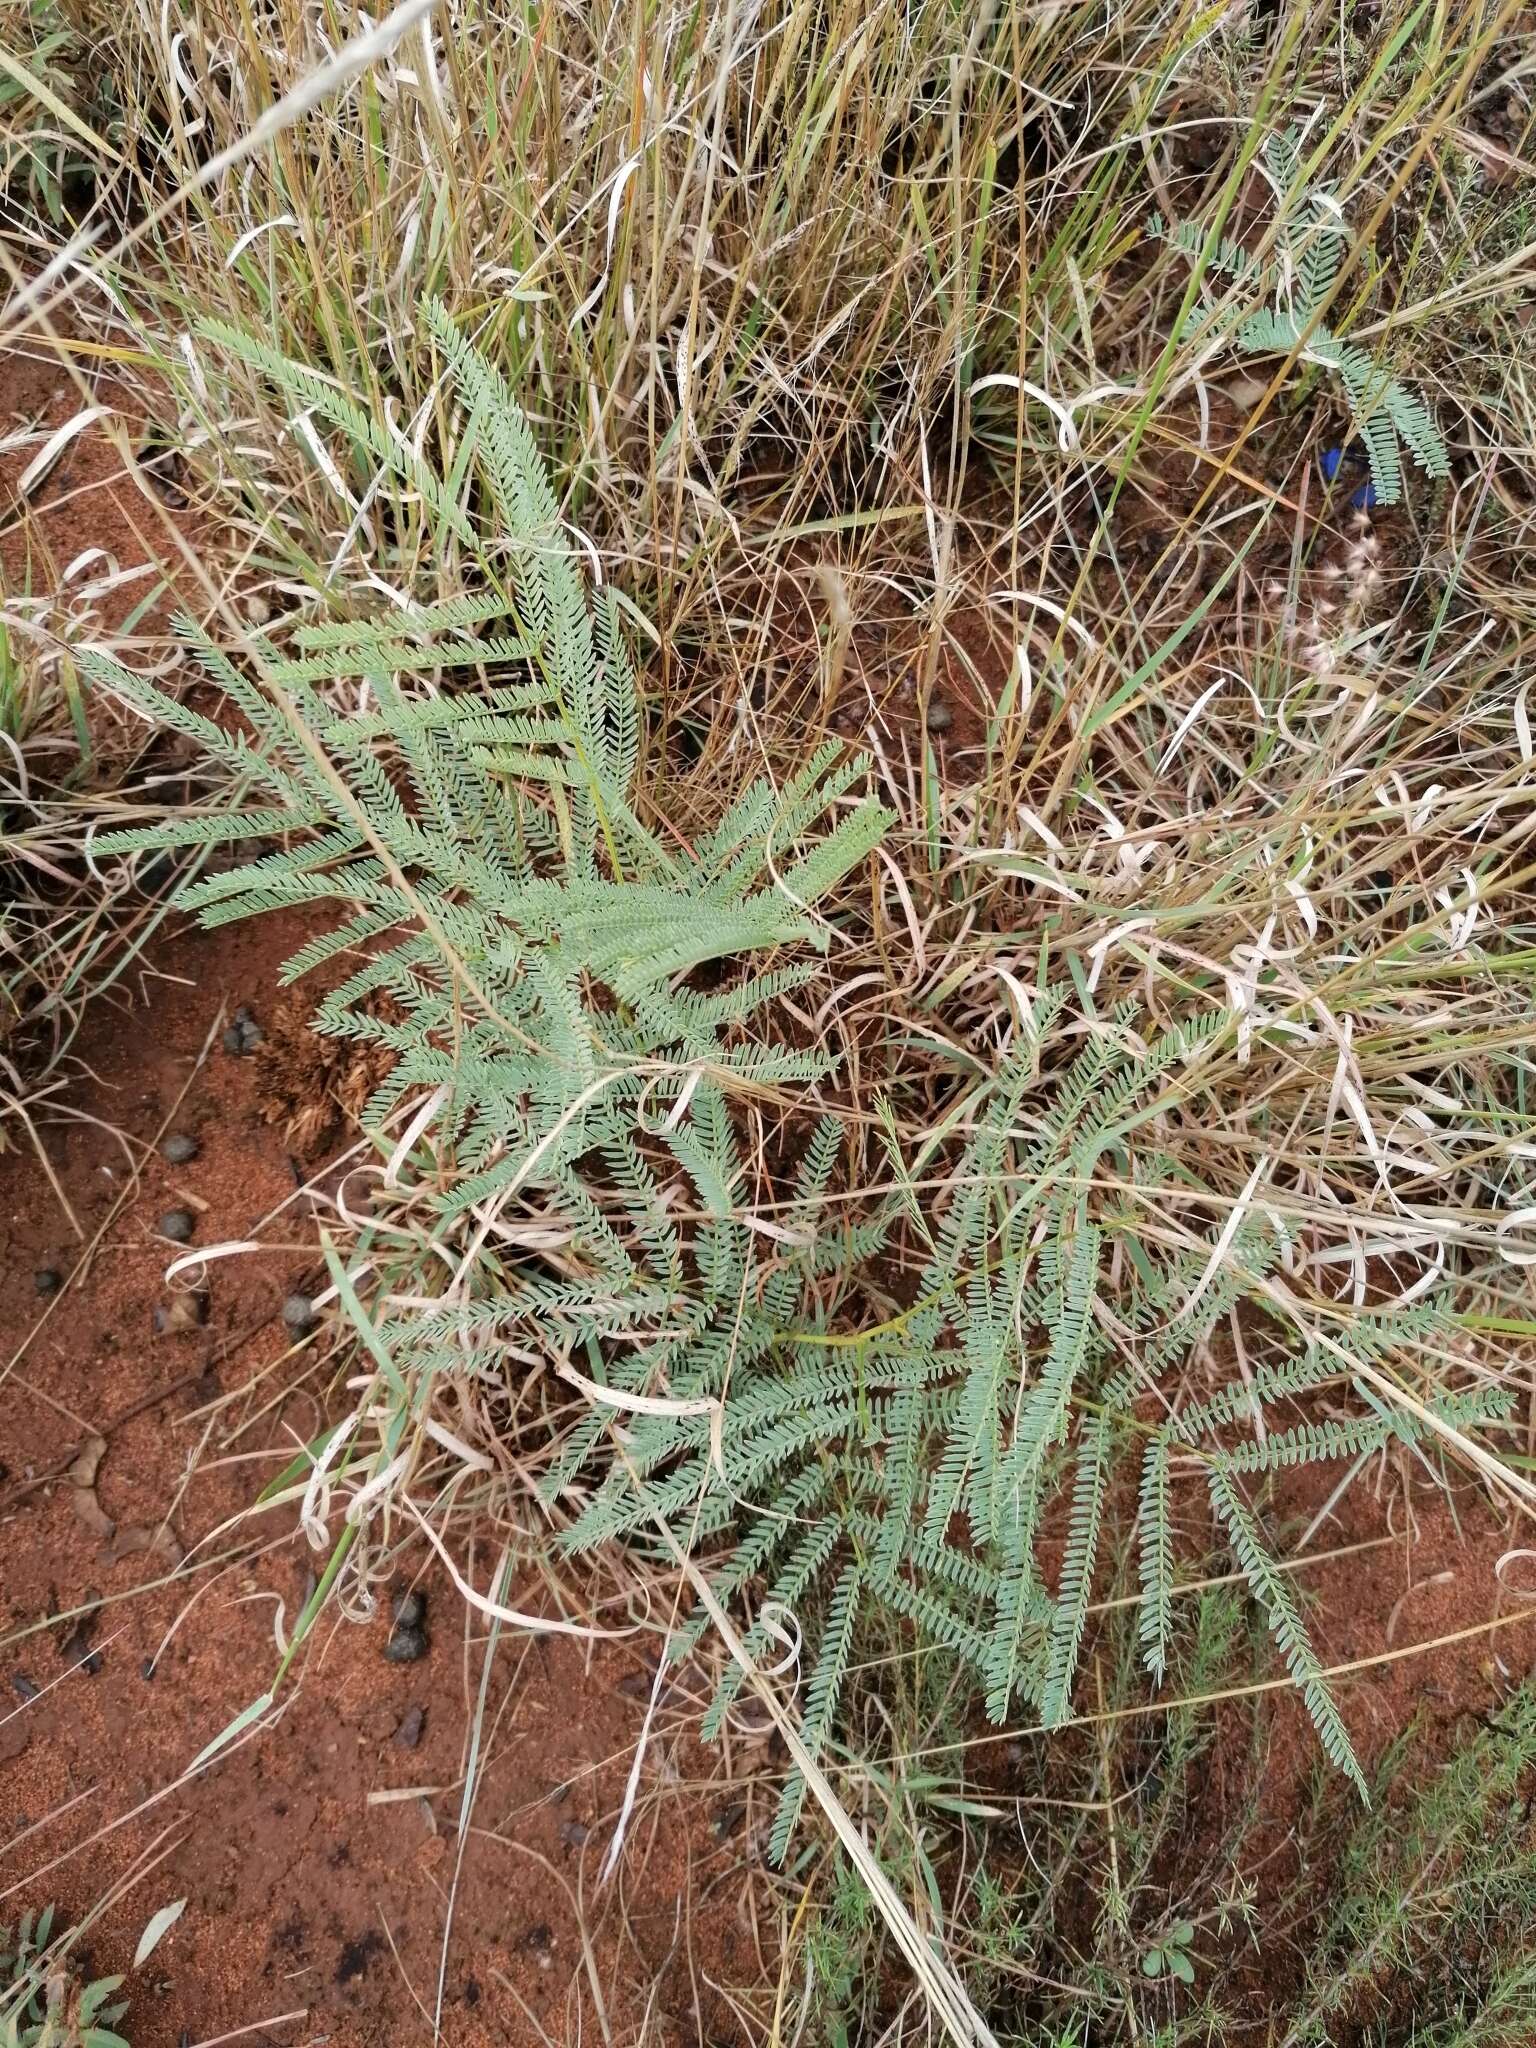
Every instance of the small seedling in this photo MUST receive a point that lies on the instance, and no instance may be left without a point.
(43, 2003)
(1170, 1957)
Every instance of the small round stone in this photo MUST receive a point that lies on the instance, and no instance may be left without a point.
(180, 1148)
(47, 1280)
(178, 1225)
(299, 1313)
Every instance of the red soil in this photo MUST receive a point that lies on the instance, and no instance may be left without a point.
(303, 1898)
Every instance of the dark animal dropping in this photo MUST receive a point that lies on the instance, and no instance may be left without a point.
(408, 1638)
(244, 1034)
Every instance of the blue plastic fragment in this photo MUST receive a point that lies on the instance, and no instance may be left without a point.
(1332, 460)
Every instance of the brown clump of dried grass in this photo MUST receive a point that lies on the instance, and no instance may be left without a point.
(313, 1087)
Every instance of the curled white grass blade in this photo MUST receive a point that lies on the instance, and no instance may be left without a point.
(537, 1624)
(412, 1132)
(55, 445)
(1516, 1255)
(780, 1626)
(656, 1404)
(1066, 426)
(1185, 724)
(476, 1460)
(241, 243)
(1234, 1223)
(311, 1510)
(235, 1248)
(632, 1782)
(1099, 950)
(1052, 611)
(625, 172)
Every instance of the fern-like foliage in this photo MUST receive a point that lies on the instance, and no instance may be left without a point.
(520, 938)
(924, 1462)
(449, 794)
(1296, 287)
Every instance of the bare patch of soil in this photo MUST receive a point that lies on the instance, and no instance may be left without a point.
(321, 1858)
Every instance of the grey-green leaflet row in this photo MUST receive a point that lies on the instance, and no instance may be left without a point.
(1299, 280)
(529, 950)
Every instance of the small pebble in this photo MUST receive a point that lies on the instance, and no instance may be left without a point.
(299, 1314)
(1245, 391)
(178, 1225)
(180, 1148)
(47, 1280)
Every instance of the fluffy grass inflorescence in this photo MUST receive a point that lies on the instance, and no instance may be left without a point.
(1012, 1031)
